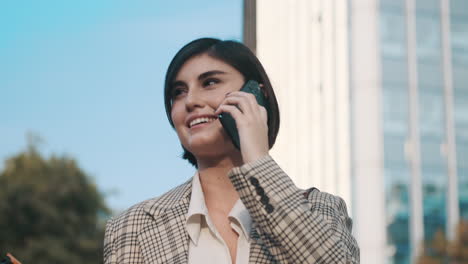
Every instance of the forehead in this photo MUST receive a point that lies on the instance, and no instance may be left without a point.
(200, 64)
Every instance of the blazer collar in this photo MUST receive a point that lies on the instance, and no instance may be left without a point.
(164, 239)
(179, 196)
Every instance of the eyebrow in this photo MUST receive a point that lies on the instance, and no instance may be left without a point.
(209, 73)
(200, 77)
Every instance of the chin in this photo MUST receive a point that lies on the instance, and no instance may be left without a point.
(211, 148)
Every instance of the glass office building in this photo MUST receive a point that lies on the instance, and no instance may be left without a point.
(395, 126)
(459, 48)
(436, 112)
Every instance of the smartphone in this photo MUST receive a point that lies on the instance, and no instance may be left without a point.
(228, 121)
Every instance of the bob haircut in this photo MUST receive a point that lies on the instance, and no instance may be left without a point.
(238, 56)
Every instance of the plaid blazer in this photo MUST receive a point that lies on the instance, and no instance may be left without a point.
(290, 225)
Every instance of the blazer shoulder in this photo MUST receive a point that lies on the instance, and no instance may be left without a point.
(315, 195)
(329, 205)
(130, 214)
(142, 212)
(123, 231)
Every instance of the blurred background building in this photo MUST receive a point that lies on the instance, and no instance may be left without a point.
(374, 101)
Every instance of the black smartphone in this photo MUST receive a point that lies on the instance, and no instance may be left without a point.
(228, 121)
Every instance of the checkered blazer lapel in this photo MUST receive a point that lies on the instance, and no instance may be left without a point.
(165, 240)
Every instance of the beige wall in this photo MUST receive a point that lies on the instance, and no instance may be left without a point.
(303, 45)
(367, 132)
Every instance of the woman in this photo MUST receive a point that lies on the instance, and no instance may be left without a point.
(239, 207)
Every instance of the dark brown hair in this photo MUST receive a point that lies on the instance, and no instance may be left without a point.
(238, 56)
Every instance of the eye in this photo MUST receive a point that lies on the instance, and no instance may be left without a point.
(210, 82)
(177, 91)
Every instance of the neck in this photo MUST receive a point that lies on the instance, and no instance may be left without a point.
(220, 194)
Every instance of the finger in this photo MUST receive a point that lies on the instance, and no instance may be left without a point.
(230, 109)
(243, 94)
(248, 97)
(239, 102)
(252, 113)
(254, 108)
(263, 112)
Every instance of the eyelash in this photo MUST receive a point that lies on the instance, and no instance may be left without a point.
(208, 81)
(177, 91)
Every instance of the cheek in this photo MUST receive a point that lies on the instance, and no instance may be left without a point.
(177, 116)
(217, 97)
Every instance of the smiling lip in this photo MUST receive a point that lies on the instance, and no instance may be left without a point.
(198, 126)
(194, 117)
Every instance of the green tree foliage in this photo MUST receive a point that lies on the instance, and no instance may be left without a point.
(50, 211)
(441, 251)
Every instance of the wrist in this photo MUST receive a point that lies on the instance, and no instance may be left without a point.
(252, 157)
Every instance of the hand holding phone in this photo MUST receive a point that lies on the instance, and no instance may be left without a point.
(228, 121)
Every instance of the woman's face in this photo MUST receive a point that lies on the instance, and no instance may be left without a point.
(199, 88)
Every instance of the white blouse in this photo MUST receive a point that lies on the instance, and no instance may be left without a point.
(206, 244)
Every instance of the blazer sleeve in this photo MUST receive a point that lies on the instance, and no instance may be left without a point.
(297, 226)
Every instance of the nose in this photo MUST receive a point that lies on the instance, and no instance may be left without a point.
(193, 100)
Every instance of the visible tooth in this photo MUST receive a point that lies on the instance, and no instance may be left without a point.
(201, 120)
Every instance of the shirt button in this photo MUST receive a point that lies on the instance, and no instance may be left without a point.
(264, 200)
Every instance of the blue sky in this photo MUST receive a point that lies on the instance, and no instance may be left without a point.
(87, 76)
